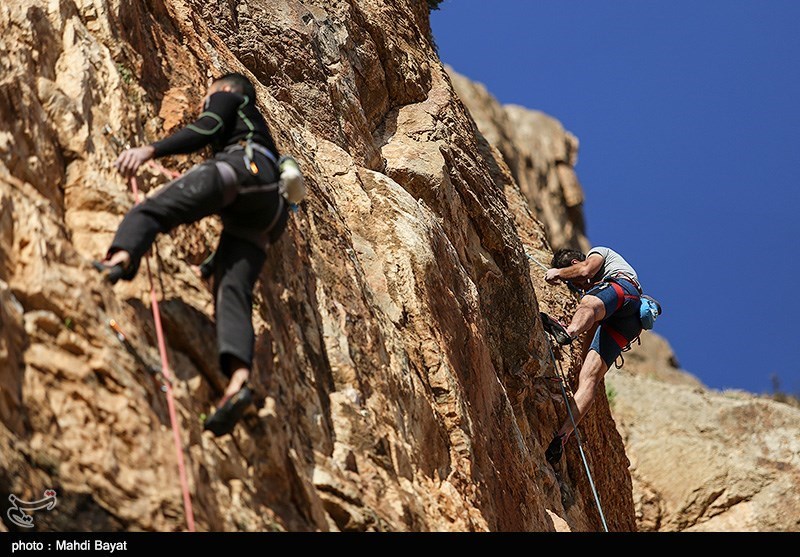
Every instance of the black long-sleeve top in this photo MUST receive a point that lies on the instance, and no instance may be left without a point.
(228, 118)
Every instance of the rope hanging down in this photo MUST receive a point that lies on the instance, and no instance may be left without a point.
(562, 383)
(165, 370)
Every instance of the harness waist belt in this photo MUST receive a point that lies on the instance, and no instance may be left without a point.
(256, 147)
(632, 280)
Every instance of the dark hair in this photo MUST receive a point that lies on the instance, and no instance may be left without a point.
(239, 83)
(563, 257)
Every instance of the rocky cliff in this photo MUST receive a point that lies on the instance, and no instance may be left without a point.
(401, 369)
(707, 460)
(541, 155)
(700, 459)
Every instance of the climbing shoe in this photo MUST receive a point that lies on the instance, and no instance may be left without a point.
(555, 450)
(224, 419)
(556, 329)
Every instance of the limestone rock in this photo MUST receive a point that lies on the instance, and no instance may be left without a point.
(703, 460)
(541, 156)
(400, 363)
(655, 359)
(700, 459)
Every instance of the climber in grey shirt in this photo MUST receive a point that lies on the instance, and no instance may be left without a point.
(613, 264)
(609, 308)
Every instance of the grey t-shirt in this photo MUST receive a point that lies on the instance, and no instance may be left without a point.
(613, 263)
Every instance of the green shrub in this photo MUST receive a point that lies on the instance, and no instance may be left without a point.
(611, 395)
(780, 395)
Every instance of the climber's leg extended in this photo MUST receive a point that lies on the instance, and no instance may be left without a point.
(236, 268)
(196, 194)
(609, 339)
(595, 306)
(237, 265)
(592, 372)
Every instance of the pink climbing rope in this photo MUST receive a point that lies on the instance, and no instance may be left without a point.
(158, 167)
(165, 371)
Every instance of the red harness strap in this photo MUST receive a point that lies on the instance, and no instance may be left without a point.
(621, 295)
(621, 341)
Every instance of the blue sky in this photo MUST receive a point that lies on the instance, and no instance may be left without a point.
(688, 114)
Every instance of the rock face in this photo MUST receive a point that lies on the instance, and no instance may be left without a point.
(401, 366)
(706, 460)
(700, 459)
(541, 156)
(654, 359)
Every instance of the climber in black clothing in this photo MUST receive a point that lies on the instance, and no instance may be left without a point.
(239, 183)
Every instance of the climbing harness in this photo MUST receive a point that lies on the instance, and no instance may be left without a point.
(630, 279)
(649, 309)
(167, 374)
(290, 182)
(250, 148)
(563, 383)
(620, 361)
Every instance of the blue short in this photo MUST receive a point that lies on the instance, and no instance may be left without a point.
(621, 324)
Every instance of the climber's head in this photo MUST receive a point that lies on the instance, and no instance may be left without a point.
(567, 257)
(235, 83)
(232, 83)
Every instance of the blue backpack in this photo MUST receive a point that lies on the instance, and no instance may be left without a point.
(649, 310)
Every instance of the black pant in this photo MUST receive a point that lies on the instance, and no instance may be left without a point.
(254, 215)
